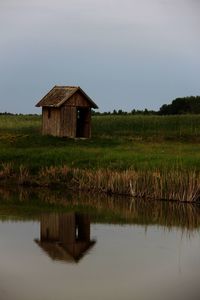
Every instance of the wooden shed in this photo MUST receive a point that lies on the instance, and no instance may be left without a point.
(65, 236)
(66, 112)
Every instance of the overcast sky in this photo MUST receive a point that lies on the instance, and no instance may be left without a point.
(124, 53)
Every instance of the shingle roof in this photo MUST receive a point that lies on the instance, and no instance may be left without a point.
(60, 94)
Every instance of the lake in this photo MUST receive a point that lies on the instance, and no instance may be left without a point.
(92, 248)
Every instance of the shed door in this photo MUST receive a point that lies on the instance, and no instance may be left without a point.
(68, 124)
(83, 122)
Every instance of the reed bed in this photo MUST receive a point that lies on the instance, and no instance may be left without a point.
(176, 184)
(105, 208)
(171, 185)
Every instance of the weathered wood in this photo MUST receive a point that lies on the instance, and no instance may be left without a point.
(49, 229)
(78, 100)
(70, 119)
(65, 236)
(62, 94)
(51, 121)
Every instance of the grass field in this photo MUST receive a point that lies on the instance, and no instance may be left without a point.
(118, 142)
(134, 143)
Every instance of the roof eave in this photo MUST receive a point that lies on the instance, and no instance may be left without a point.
(89, 99)
(93, 104)
(39, 103)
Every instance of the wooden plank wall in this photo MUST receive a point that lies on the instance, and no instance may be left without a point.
(51, 125)
(77, 100)
(68, 121)
(67, 228)
(63, 121)
(49, 229)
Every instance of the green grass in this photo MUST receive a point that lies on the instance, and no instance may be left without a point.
(118, 142)
(149, 128)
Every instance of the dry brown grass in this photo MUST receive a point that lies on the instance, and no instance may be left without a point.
(172, 185)
(6, 170)
(24, 177)
(179, 185)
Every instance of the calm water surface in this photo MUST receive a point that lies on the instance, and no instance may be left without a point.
(73, 255)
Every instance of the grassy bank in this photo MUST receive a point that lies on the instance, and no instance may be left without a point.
(118, 143)
(174, 185)
(146, 156)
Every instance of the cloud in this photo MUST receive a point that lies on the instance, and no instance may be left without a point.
(141, 46)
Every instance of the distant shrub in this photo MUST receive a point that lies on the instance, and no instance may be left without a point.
(186, 105)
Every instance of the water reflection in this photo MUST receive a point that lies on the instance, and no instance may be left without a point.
(103, 208)
(65, 236)
(129, 261)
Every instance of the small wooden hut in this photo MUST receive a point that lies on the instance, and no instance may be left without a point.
(66, 112)
(65, 236)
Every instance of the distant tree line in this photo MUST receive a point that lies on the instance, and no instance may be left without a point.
(13, 114)
(121, 112)
(179, 106)
(184, 105)
(6, 114)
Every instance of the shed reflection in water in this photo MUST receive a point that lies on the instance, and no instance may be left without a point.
(146, 250)
(65, 236)
(103, 209)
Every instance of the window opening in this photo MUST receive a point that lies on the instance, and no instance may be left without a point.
(49, 113)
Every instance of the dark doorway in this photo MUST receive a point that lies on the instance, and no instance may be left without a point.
(83, 122)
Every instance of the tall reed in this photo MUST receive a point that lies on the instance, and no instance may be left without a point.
(180, 185)
(109, 209)
(6, 170)
(176, 184)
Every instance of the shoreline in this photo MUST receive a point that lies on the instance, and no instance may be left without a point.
(164, 185)
(146, 157)
(26, 202)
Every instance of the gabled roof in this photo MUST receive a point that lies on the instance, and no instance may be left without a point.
(57, 251)
(60, 94)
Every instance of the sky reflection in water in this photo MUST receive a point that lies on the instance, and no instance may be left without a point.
(73, 256)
